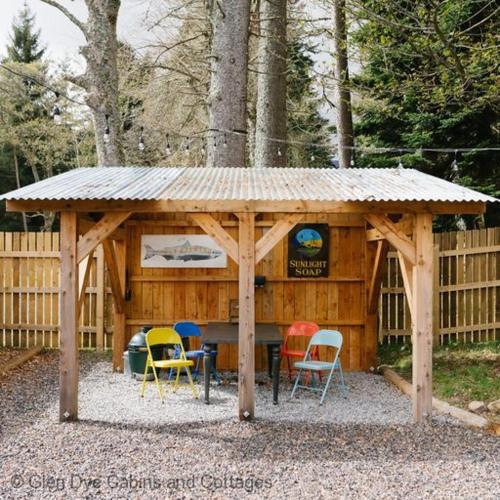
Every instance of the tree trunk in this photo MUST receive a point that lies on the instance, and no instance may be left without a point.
(101, 75)
(227, 101)
(345, 135)
(271, 85)
(18, 184)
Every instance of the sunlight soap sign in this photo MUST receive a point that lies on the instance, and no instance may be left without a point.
(181, 251)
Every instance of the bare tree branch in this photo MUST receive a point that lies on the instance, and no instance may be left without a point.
(79, 24)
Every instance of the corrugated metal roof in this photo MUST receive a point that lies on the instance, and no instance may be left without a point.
(273, 184)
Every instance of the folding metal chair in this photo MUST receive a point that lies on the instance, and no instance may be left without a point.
(329, 338)
(167, 336)
(187, 329)
(298, 329)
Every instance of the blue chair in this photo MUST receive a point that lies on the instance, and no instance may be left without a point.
(329, 338)
(187, 329)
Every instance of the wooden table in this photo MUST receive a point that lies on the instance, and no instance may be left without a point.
(227, 333)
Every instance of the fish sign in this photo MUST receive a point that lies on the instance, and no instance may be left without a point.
(181, 251)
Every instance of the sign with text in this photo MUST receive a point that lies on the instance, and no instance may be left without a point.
(308, 251)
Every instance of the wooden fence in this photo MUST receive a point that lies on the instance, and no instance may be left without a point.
(466, 290)
(29, 294)
(467, 305)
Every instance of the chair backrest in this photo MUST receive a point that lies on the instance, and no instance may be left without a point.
(330, 338)
(164, 336)
(187, 329)
(302, 329)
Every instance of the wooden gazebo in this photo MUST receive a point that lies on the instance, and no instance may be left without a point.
(390, 207)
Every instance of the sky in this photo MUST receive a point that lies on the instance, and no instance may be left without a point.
(61, 37)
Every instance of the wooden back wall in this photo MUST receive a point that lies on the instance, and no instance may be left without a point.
(160, 297)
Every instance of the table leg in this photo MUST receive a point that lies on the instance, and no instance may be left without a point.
(276, 371)
(270, 360)
(207, 349)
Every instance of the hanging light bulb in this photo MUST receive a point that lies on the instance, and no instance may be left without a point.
(56, 112)
(313, 157)
(400, 164)
(454, 163)
(225, 141)
(106, 131)
(215, 144)
(279, 152)
(186, 151)
(203, 148)
(168, 150)
(352, 162)
(141, 140)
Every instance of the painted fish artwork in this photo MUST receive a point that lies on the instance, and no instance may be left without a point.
(181, 251)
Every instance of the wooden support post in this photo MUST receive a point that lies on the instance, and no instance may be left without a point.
(407, 274)
(100, 298)
(84, 269)
(376, 276)
(68, 344)
(119, 317)
(246, 332)
(422, 318)
(436, 310)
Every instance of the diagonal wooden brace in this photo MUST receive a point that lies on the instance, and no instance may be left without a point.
(101, 230)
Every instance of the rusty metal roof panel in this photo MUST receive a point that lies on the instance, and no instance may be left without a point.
(273, 184)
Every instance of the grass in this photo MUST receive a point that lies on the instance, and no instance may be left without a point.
(461, 372)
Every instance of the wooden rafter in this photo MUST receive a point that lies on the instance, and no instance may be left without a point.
(395, 237)
(99, 232)
(302, 206)
(376, 278)
(275, 234)
(218, 233)
(114, 275)
(83, 279)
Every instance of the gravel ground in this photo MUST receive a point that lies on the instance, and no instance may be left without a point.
(361, 446)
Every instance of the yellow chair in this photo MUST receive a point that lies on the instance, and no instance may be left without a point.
(164, 336)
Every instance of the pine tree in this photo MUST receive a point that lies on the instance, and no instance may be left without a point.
(25, 39)
(305, 123)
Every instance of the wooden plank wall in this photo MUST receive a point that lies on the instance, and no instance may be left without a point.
(163, 296)
(468, 288)
(29, 294)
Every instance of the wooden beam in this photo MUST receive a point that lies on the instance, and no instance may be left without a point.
(114, 275)
(85, 224)
(407, 274)
(246, 329)
(404, 226)
(238, 206)
(218, 233)
(68, 344)
(376, 277)
(84, 269)
(100, 298)
(119, 316)
(422, 320)
(100, 232)
(275, 234)
(396, 238)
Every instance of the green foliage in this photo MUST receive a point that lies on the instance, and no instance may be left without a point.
(461, 372)
(25, 40)
(305, 124)
(430, 79)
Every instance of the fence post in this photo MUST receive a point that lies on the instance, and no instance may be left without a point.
(436, 312)
(100, 298)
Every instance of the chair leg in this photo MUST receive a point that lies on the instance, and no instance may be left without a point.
(157, 383)
(289, 368)
(326, 385)
(193, 388)
(342, 381)
(143, 388)
(299, 373)
(176, 383)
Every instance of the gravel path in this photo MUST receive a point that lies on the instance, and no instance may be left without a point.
(362, 446)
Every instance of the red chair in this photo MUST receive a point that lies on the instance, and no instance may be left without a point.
(299, 329)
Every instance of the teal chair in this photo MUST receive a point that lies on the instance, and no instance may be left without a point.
(329, 338)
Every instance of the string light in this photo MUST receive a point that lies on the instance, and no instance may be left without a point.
(141, 140)
(313, 157)
(400, 164)
(106, 130)
(225, 141)
(186, 151)
(56, 112)
(279, 152)
(203, 148)
(215, 144)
